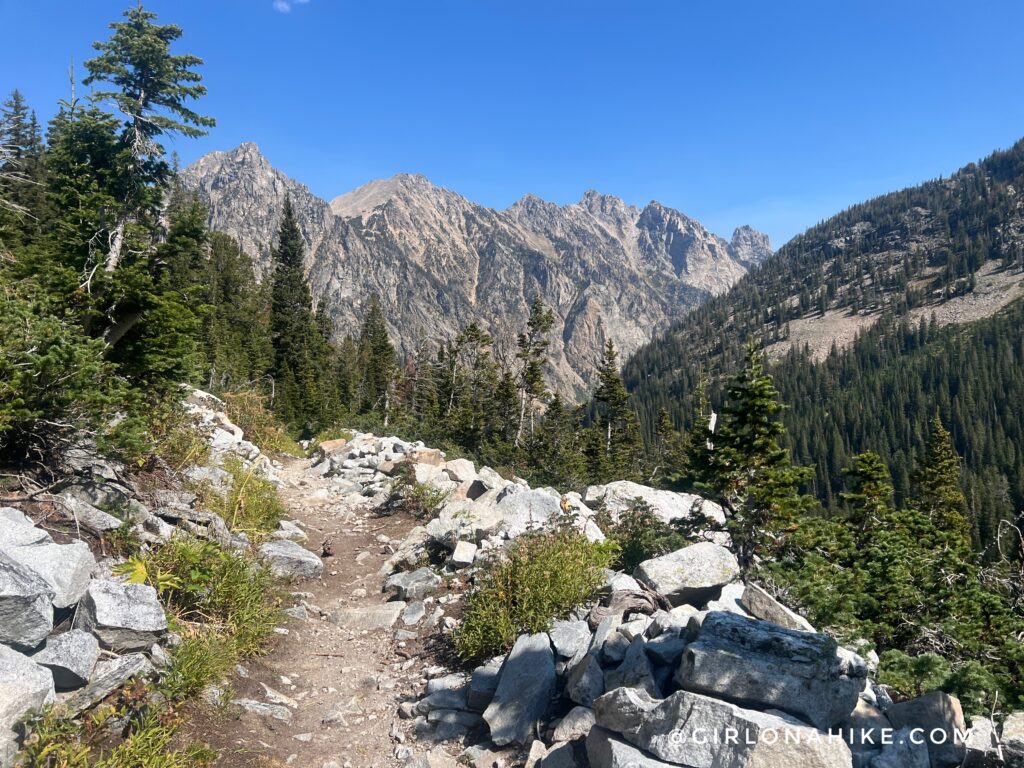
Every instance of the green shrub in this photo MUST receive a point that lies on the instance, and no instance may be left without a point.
(417, 499)
(251, 504)
(248, 409)
(972, 683)
(202, 584)
(177, 439)
(640, 534)
(54, 380)
(57, 741)
(199, 660)
(541, 577)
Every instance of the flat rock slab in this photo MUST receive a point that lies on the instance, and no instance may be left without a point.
(124, 617)
(693, 574)
(690, 729)
(757, 663)
(108, 676)
(761, 605)
(71, 657)
(369, 618)
(524, 691)
(26, 604)
(288, 560)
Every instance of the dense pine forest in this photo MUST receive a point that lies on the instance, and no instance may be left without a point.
(879, 260)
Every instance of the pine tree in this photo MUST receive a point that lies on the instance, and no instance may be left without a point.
(532, 349)
(748, 468)
(151, 88)
(379, 363)
(300, 367)
(623, 449)
(939, 492)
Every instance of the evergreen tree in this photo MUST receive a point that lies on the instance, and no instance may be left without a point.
(939, 493)
(300, 368)
(379, 363)
(747, 468)
(151, 87)
(532, 349)
(622, 451)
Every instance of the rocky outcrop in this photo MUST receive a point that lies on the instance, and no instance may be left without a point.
(693, 575)
(756, 662)
(608, 270)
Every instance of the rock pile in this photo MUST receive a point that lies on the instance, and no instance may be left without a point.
(680, 664)
(71, 631)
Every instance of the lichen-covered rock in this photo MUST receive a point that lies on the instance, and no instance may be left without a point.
(938, 712)
(24, 686)
(71, 657)
(123, 617)
(288, 560)
(26, 604)
(753, 662)
(693, 574)
(524, 691)
(690, 729)
(413, 585)
(67, 568)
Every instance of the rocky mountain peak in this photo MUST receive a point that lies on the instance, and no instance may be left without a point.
(750, 246)
(437, 261)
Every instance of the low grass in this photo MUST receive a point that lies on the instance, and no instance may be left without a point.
(541, 577)
(248, 409)
(251, 505)
(177, 439)
(222, 602)
(133, 732)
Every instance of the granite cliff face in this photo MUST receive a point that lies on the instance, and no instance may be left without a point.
(437, 261)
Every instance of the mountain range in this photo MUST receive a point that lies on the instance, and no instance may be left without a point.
(437, 261)
(890, 313)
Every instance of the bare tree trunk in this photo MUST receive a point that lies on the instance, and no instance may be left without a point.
(522, 417)
(116, 332)
(116, 244)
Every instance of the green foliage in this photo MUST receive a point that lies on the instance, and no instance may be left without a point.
(912, 675)
(176, 438)
(251, 504)
(639, 535)
(377, 363)
(201, 659)
(417, 499)
(972, 683)
(224, 591)
(541, 577)
(620, 450)
(151, 734)
(248, 409)
(54, 381)
(303, 363)
(744, 466)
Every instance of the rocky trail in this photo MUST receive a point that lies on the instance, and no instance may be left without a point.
(327, 693)
(667, 666)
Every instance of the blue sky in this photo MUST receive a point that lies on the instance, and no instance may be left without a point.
(775, 114)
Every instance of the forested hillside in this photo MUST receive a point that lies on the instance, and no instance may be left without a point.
(863, 315)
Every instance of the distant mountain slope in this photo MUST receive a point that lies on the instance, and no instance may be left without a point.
(438, 261)
(840, 308)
